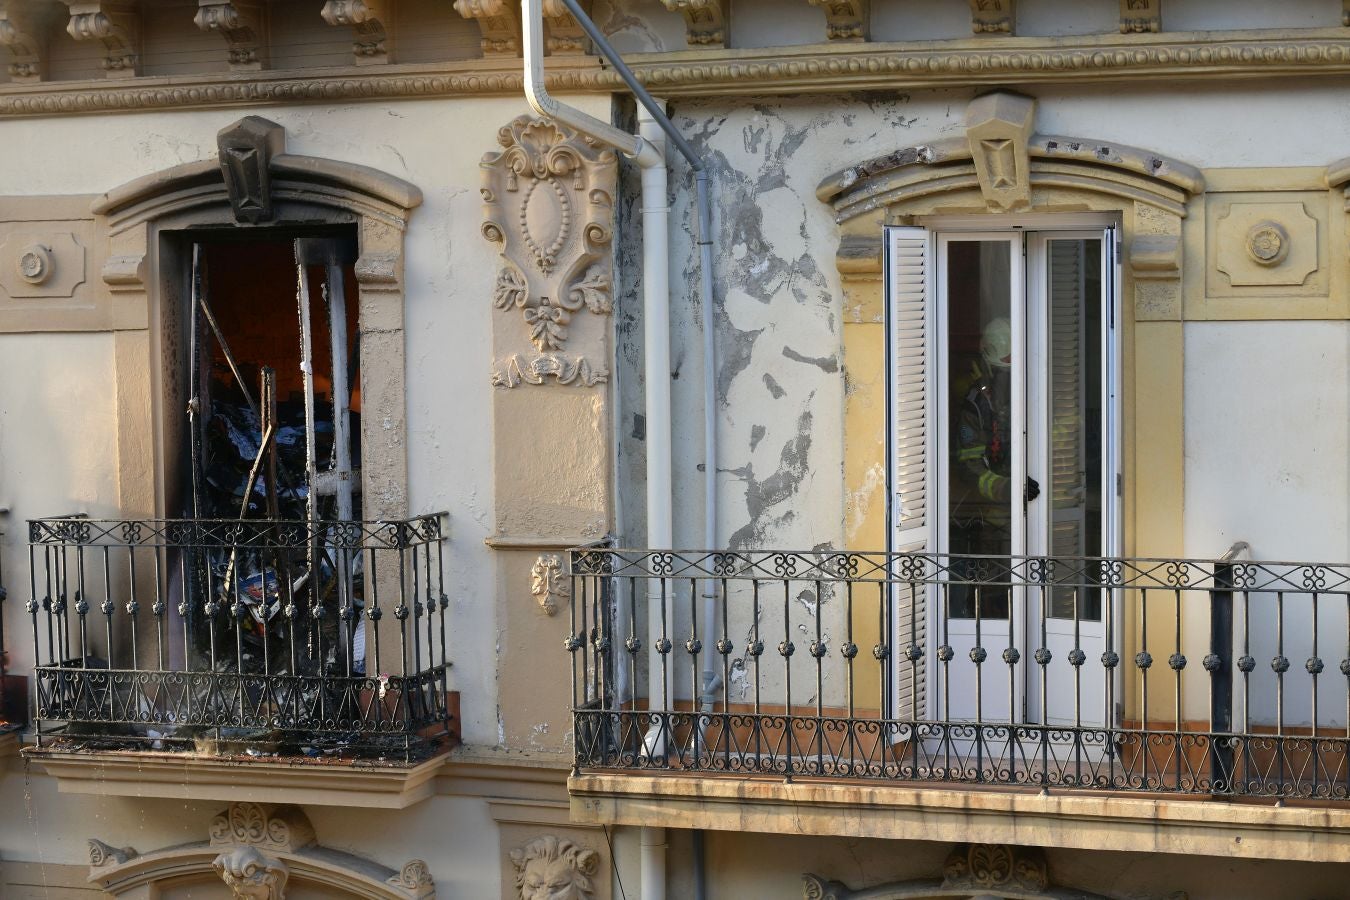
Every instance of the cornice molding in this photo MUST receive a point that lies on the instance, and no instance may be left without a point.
(817, 68)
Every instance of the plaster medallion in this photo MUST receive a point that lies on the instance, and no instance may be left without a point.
(1268, 243)
(35, 264)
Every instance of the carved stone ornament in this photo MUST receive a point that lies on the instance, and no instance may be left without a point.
(1140, 16)
(845, 20)
(368, 20)
(549, 584)
(518, 369)
(101, 854)
(705, 21)
(246, 151)
(992, 866)
(414, 879)
(236, 23)
(22, 30)
(971, 872)
(992, 16)
(998, 127)
(259, 852)
(499, 22)
(565, 37)
(553, 868)
(548, 204)
(251, 875)
(1268, 243)
(41, 264)
(111, 25)
(282, 828)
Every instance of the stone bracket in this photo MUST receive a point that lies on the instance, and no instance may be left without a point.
(369, 21)
(238, 24)
(22, 32)
(565, 37)
(992, 16)
(1140, 16)
(705, 21)
(499, 23)
(1156, 257)
(115, 26)
(845, 20)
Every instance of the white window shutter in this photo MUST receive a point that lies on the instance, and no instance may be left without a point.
(913, 413)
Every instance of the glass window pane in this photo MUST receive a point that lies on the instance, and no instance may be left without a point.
(980, 366)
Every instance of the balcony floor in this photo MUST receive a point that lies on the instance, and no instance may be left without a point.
(1309, 832)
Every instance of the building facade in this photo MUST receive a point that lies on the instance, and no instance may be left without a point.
(361, 542)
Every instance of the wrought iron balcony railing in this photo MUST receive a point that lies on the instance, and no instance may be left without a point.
(1159, 675)
(323, 638)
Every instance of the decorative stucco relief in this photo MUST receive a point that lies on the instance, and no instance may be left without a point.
(1267, 243)
(705, 21)
(971, 872)
(1140, 16)
(41, 264)
(369, 21)
(845, 20)
(553, 868)
(22, 33)
(101, 854)
(992, 16)
(113, 25)
(548, 203)
(499, 22)
(415, 880)
(237, 23)
(549, 584)
(258, 851)
(565, 37)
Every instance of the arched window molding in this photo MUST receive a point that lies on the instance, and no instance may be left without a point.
(257, 850)
(254, 184)
(1003, 167)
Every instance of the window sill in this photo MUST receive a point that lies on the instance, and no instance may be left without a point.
(191, 776)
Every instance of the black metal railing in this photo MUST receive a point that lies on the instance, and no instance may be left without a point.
(315, 638)
(1216, 677)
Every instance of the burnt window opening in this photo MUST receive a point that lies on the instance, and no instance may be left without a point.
(253, 349)
(270, 371)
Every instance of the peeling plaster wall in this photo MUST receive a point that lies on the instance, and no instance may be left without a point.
(778, 304)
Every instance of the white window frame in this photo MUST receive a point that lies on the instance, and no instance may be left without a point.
(996, 227)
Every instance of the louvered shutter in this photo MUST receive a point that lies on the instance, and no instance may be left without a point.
(913, 414)
(1068, 388)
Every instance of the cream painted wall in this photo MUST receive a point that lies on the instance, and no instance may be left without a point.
(449, 273)
(57, 441)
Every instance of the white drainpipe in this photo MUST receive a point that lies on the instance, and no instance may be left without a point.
(647, 153)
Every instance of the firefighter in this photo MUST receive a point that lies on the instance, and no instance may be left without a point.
(983, 413)
(981, 480)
